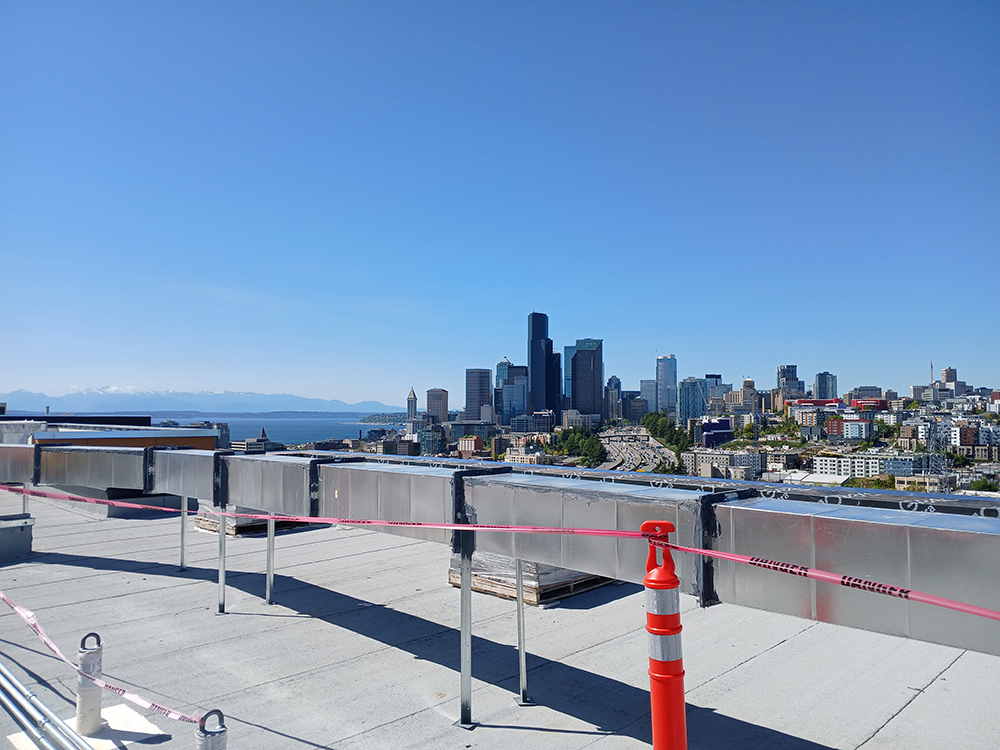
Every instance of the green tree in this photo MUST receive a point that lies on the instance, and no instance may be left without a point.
(984, 485)
(959, 461)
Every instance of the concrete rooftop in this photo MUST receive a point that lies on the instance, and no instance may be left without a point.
(361, 650)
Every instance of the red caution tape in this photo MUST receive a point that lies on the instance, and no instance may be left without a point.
(656, 539)
(29, 617)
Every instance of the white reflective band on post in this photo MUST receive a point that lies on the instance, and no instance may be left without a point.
(665, 647)
(663, 601)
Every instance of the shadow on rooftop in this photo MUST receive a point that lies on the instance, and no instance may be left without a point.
(612, 706)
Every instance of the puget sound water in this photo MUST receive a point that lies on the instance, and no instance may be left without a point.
(291, 430)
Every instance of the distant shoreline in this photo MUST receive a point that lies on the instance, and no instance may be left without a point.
(196, 414)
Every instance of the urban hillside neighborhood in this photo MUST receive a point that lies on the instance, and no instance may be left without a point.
(942, 436)
(560, 409)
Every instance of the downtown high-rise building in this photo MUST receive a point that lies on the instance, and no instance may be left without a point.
(647, 392)
(825, 386)
(411, 406)
(544, 368)
(568, 353)
(788, 379)
(510, 393)
(692, 400)
(588, 376)
(478, 392)
(666, 383)
(437, 404)
(612, 399)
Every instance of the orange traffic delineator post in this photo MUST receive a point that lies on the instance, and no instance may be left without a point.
(666, 667)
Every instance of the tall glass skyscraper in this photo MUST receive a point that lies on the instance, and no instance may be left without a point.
(692, 400)
(588, 376)
(544, 368)
(647, 391)
(568, 353)
(666, 383)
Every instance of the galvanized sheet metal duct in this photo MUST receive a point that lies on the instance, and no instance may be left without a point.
(17, 463)
(948, 555)
(533, 500)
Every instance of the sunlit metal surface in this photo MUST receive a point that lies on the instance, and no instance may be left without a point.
(953, 556)
(87, 466)
(532, 500)
(187, 473)
(890, 537)
(17, 463)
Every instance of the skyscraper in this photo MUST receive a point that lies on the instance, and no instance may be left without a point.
(692, 400)
(647, 392)
(411, 406)
(514, 399)
(509, 381)
(588, 376)
(437, 404)
(825, 385)
(613, 399)
(788, 379)
(568, 353)
(478, 392)
(666, 383)
(543, 366)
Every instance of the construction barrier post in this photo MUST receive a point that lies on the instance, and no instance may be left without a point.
(663, 625)
(88, 695)
(211, 739)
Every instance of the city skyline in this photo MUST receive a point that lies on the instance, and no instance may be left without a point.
(297, 200)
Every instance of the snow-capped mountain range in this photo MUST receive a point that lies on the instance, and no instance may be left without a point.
(127, 399)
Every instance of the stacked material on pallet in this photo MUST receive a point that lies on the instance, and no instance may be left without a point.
(209, 521)
(495, 574)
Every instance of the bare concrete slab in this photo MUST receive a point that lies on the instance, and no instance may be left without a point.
(361, 651)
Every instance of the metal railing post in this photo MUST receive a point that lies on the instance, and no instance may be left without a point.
(222, 563)
(466, 544)
(269, 585)
(184, 525)
(522, 657)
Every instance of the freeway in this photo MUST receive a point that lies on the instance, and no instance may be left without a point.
(633, 449)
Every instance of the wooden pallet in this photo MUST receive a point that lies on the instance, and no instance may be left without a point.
(244, 529)
(533, 593)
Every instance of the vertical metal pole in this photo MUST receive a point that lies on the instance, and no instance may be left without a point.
(222, 563)
(184, 532)
(24, 503)
(269, 588)
(467, 545)
(521, 652)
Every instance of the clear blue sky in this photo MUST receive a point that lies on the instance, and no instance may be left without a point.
(342, 200)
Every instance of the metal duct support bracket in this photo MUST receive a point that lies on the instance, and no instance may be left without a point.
(220, 479)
